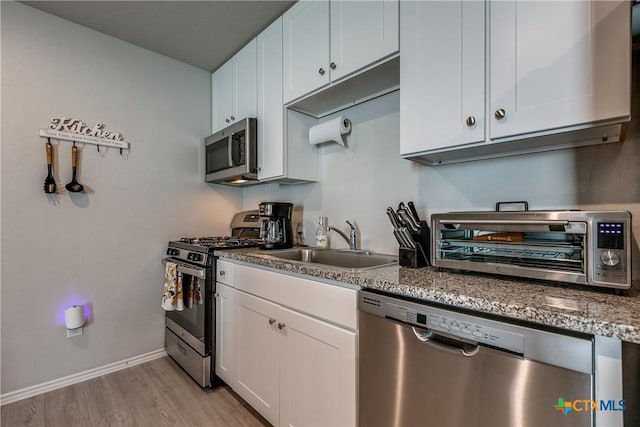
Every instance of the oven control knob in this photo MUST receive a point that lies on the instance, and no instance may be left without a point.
(610, 258)
(197, 257)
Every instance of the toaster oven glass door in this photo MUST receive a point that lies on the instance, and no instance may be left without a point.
(543, 246)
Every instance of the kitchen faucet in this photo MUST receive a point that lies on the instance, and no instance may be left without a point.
(352, 239)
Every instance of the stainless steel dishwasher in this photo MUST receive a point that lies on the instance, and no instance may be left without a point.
(420, 365)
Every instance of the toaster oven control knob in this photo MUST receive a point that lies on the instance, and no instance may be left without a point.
(610, 258)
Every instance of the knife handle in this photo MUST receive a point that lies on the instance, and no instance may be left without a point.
(414, 212)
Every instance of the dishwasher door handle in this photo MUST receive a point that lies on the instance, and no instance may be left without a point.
(428, 337)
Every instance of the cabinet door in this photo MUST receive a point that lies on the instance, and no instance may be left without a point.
(362, 32)
(221, 96)
(442, 74)
(225, 362)
(318, 373)
(245, 83)
(257, 362)
(557, 64)
(270, 109)
(306, 48)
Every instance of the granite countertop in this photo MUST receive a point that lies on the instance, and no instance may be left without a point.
(564, 306)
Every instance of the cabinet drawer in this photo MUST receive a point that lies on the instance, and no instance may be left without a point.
(333, 303)
(224, 272)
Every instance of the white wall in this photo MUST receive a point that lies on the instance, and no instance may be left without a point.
(101, 248)
(359, 181)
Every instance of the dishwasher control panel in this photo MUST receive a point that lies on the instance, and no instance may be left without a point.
(466, 328)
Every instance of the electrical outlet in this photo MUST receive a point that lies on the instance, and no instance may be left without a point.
(74, 332)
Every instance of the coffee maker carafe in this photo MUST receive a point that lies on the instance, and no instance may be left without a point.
(276, 230)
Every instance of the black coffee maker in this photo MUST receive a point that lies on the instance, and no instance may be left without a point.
(276, 227)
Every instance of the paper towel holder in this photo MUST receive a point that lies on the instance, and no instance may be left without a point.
(330, 131)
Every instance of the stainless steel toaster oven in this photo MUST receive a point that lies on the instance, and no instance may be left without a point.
(582, 247)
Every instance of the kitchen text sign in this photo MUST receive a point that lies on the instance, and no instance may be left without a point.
(76, 130)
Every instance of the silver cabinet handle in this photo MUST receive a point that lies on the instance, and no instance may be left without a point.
(321, 71)
(281, 326)
(216, 295)
(272, 320)
(500, 113)
(332, 65)
(222, 272)
(471, 121)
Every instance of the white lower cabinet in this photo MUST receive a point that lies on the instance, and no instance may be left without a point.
(293, 368)
(317, 372)
(224, 351)
(258, 354)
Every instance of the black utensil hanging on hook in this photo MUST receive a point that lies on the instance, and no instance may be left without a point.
(74, 186)
(49, 181)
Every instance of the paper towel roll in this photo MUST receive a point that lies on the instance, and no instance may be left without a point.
(330, 131)
(74, 317)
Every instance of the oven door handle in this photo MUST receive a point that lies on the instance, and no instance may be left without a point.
(187, 269)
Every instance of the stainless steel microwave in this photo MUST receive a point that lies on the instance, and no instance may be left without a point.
(231, 155)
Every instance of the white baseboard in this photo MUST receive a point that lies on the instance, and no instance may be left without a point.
(37, 389)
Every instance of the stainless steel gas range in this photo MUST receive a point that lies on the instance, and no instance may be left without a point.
(190, 332)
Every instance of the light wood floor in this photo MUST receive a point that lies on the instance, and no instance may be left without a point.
(157, 393)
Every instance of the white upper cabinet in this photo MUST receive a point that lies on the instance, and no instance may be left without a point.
(270, 109)
(442, 100)
(284, 153)
(234, 88)
(325, 41)
(557, 64)
(306, 48)
(362, 32)
(496, 78)
(221, 96)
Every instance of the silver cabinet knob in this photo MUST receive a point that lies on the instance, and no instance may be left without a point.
(227, 120)
(216, 295)
(222, 272)
(332, 65)
(272, 321)
(471, 121)
(281, 326)
(321, 71)
(233, 118)
(500, 114)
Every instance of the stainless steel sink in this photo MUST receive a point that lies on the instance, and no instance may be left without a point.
(344, 259)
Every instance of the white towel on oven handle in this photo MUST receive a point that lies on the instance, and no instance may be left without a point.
(172, 291)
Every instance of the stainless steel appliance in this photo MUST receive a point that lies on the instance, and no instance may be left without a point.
(231, 155)
(190, 334)
(421, 365)
(582, 247)
(276, 229)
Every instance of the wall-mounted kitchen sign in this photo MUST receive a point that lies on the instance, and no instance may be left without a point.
(71, 129)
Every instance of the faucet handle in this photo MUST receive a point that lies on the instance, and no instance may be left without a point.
(351, 225)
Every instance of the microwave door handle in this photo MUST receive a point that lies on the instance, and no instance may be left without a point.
(230, 150)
